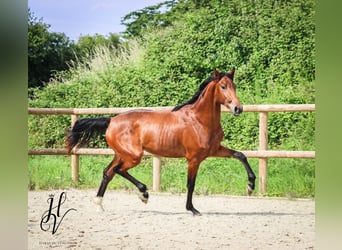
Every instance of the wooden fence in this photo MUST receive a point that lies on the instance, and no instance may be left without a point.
(262, 153)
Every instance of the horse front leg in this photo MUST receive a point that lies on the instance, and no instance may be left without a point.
(226, 152)
(192, 173)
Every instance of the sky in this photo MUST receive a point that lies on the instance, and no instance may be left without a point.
(86, 17)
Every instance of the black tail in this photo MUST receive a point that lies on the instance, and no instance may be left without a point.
(85, 129)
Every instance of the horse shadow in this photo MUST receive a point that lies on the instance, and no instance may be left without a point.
(218, 213)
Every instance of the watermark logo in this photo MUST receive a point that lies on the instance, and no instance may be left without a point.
(53, 217)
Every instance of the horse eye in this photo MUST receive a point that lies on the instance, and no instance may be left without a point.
(223, 87)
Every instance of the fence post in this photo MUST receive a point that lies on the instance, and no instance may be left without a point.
(263, 141)
(156, 173)
(74, 158)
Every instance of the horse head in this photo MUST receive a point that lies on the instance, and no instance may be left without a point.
(225, 92)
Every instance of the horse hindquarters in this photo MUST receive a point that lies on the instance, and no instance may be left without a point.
(124, 140)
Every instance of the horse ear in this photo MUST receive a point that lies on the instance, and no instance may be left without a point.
(232, 72)
(216, 74)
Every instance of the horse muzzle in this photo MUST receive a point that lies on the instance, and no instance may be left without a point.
(236, 109)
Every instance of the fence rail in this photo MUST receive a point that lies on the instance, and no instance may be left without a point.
(104, 111)
(106, 151)
(262, 153)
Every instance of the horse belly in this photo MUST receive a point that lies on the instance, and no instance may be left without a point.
(164, 142)
(171, 152)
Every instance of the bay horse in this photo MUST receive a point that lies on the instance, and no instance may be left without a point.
(191, 130)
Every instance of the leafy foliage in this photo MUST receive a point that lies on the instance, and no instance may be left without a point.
(270, 42)
(47, 51)
(138, 22)
(51, 52)
(87, 44)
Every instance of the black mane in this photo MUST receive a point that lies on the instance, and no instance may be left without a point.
(200, 90)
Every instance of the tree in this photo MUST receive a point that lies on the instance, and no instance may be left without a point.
(138, 22)
(47, 51)
(86, 44)
(270, 42)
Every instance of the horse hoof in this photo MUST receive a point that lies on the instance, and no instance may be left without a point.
(249, 190)
(99, 209)
(194, 211)
(197, 213)
(98, 203)
(144, 197)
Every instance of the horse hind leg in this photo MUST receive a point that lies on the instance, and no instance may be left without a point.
(141, 186)
(122, 171)
(108, 175)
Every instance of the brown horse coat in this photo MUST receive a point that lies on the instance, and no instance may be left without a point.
(192, 130)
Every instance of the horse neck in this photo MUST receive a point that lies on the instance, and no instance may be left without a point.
(209, 112)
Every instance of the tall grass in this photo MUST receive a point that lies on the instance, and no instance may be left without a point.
(166, 68)
(101, 62)
(286, 177)
(100, 74)
(109, 78)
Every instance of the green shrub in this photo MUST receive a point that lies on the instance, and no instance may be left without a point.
(270, 42)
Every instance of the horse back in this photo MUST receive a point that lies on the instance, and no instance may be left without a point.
(157, 132)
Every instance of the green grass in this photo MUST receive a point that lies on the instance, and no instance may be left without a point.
(286, 177)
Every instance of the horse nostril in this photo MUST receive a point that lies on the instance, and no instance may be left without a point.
(237, 110)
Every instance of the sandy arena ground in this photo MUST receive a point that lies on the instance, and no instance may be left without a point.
(227, 222)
